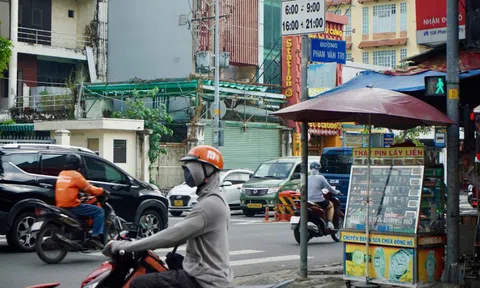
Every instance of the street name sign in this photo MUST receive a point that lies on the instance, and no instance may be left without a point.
(435, 86)
(301, 17)
(323, 50)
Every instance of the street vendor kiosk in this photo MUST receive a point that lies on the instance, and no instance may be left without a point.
(407, 230)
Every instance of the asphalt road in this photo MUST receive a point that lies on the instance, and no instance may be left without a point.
(255, 247)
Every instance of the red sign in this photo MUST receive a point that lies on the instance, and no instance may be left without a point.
(433, 13)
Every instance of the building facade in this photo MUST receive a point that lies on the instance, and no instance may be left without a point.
(54, 42)
(378, 32)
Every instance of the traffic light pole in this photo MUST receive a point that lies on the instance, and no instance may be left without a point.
(452, 269)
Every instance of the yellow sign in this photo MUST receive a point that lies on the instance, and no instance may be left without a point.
(315, 91)
(328, 31)
(325, 125)
(453, 93)
(288, 78)
(430, 265)
(399, 152)
(378, 239)
(388, 265)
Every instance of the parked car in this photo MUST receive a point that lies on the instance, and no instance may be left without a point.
(28, 175)
(183, 197)
(270, 178)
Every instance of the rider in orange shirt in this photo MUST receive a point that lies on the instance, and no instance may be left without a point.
(70, 181)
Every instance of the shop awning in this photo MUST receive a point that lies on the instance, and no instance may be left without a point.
(16, 127)
(409, 83)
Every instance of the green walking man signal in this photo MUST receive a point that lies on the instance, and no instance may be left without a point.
(435, 86)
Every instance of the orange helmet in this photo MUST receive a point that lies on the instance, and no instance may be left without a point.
(206, 154)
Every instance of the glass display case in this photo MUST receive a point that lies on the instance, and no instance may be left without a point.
(406, 218)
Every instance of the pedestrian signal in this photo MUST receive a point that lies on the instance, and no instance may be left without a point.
(435, 86)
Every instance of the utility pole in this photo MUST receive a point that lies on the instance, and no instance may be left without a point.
(453, 219)
(216, 102)
(304, 195)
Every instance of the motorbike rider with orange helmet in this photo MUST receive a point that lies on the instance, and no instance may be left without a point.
(205, 231)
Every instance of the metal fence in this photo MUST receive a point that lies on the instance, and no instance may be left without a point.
(26, 140)
(50, 38)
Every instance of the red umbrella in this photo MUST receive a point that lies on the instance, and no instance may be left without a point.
(368, 106)
(386, 108)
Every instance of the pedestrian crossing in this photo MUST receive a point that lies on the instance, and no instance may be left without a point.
(237, 257)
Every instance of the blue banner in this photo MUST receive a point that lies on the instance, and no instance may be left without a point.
(323, 50)
(388, 139)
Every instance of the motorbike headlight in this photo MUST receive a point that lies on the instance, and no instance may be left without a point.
(273, 190)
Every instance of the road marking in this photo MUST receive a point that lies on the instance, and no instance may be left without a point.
(265, 260)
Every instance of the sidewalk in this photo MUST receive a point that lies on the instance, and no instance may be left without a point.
(328, 276)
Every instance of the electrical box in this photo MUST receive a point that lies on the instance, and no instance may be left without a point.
(203, 61)
(224, 60)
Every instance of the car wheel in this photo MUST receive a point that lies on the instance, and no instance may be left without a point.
(149, 224)
(176, 213)
(248, 213)
(20, 235)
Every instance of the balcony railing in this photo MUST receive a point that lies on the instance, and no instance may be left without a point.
(50, 38)
(46, 103)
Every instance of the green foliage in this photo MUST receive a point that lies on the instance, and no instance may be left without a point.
(5, 53)
(412, 134)
(154, 120)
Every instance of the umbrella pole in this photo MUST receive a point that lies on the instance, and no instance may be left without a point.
(367, 219)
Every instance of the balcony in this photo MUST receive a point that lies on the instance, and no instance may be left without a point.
(57, 105)
(50, 38)
(50, 43)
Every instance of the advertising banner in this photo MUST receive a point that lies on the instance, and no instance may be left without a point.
(432, 20)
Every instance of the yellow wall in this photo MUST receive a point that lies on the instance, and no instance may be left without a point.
(357, 36)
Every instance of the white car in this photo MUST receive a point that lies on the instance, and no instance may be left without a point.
(182, 197)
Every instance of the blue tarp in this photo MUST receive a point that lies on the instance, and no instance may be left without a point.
(397, 83)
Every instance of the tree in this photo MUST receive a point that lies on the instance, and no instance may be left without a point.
(5, 53)
(412, 134)
(154, 119)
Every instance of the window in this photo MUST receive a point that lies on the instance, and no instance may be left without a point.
(387, 58)
(26, 162)
(276, 170)
(403, 16)
(348, 28)
(71, 14)
(19, 85)
(237, 178)
(94, 145)
(336, 163)
(37, 17)
(366, 58)
(365, 21)
(98, 170)
(349, 57)
(403, 54)
(52, 164)
(384, 18)
(119, 151)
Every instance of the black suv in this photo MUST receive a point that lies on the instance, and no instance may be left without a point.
(28, 174)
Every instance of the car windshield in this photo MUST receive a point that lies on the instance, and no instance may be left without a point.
(336, 163)
(274, 170)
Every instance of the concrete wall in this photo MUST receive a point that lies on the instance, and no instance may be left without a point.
(146, 41)
(168, 172)
(4, 19)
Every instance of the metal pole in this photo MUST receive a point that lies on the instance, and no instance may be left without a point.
(452, 142)
(304, 198)
(216, 103)
(367, 216)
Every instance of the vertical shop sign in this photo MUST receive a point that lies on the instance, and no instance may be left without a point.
(440, 137)
(288, 77)
(388, 139)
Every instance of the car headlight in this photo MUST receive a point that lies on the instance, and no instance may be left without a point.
(273, 190)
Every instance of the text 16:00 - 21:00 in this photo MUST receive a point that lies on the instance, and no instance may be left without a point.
(309, 23)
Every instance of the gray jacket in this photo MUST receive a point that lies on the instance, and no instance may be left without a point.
(205, 230)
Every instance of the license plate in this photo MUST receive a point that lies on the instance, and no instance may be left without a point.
(334, 181)
(294, 220)
(254, 205)
(177, 202)
(37, 225)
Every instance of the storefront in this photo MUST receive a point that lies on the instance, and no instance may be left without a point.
(406, 215)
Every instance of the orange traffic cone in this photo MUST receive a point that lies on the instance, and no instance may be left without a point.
(267, 217)
(275, 214)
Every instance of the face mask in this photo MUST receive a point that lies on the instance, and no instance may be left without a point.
(189, 178)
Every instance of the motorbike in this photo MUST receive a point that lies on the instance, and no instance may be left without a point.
(317, 219)
(472, 196)
(121, 268)
(61, 231)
